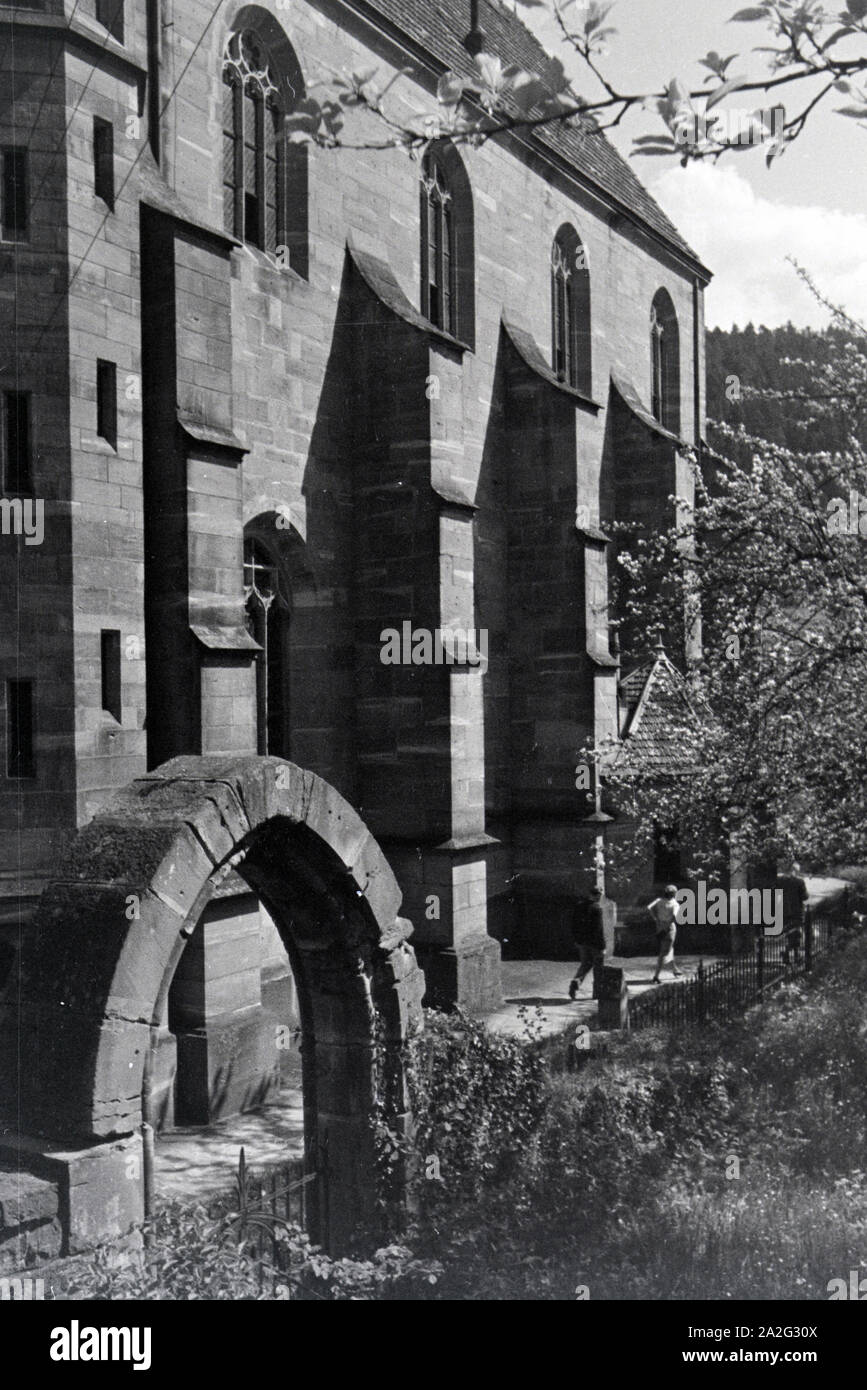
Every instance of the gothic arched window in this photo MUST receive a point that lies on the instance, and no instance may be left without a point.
(570, 311)
(268, 623)
(439, 262)
(447, 243)
(254, 151)
(665, 362)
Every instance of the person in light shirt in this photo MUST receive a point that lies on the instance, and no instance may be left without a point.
(664, 912)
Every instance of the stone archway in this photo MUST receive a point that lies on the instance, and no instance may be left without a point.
(78, 1021)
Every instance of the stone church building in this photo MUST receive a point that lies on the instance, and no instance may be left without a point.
(277, 401)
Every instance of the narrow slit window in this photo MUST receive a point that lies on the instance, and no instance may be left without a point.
(17, 442)
(106, 401)
(112, 701)
(109, 13)
(267, 623)
(14, 196)
(103, 160)
(20, 753)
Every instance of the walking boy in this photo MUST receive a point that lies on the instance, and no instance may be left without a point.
(664, 911)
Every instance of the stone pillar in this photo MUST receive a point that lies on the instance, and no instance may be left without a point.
(164, 1068)
(613, 998)
(461, 961)
(280, 1000)
(420, 718)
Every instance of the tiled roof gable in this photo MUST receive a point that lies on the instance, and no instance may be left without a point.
(661, 734)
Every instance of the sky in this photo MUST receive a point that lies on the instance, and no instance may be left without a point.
(742, 218)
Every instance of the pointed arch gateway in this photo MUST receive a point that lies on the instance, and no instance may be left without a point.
(79, 1020)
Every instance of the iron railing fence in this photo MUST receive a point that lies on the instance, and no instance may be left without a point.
(727, 987)
(264, 1206)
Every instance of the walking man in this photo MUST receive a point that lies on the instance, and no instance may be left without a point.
(589, 934)
(664, 911)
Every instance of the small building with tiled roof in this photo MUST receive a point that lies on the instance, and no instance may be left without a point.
(659, 721)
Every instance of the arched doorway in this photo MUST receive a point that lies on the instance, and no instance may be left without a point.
(94, 975)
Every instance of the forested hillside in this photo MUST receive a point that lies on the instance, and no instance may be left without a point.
(745, 361)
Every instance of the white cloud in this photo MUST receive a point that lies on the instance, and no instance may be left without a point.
(745, 239)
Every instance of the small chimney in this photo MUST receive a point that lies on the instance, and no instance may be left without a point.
(477, 38)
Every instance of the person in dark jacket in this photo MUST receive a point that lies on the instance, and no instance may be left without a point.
(589, 935)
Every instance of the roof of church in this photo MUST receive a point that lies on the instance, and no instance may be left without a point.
(440, 26)
(662, 722)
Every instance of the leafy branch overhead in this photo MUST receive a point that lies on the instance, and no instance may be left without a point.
(817, 55)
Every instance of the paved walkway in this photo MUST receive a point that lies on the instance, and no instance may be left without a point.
(528, 984)
(195, 1164)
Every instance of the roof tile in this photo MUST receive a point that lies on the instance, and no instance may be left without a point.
(662, 732)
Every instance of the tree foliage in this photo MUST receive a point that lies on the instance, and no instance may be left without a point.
(774, 553)
(762, 381)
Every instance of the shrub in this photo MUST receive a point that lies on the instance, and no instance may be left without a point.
(856, 874)
(190, 1256)
(478, 1100)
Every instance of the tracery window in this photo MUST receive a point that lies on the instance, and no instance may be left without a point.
(254, 163)
(665, 363)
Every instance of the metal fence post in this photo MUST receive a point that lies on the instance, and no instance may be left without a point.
(760, 963)
(808, 941)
